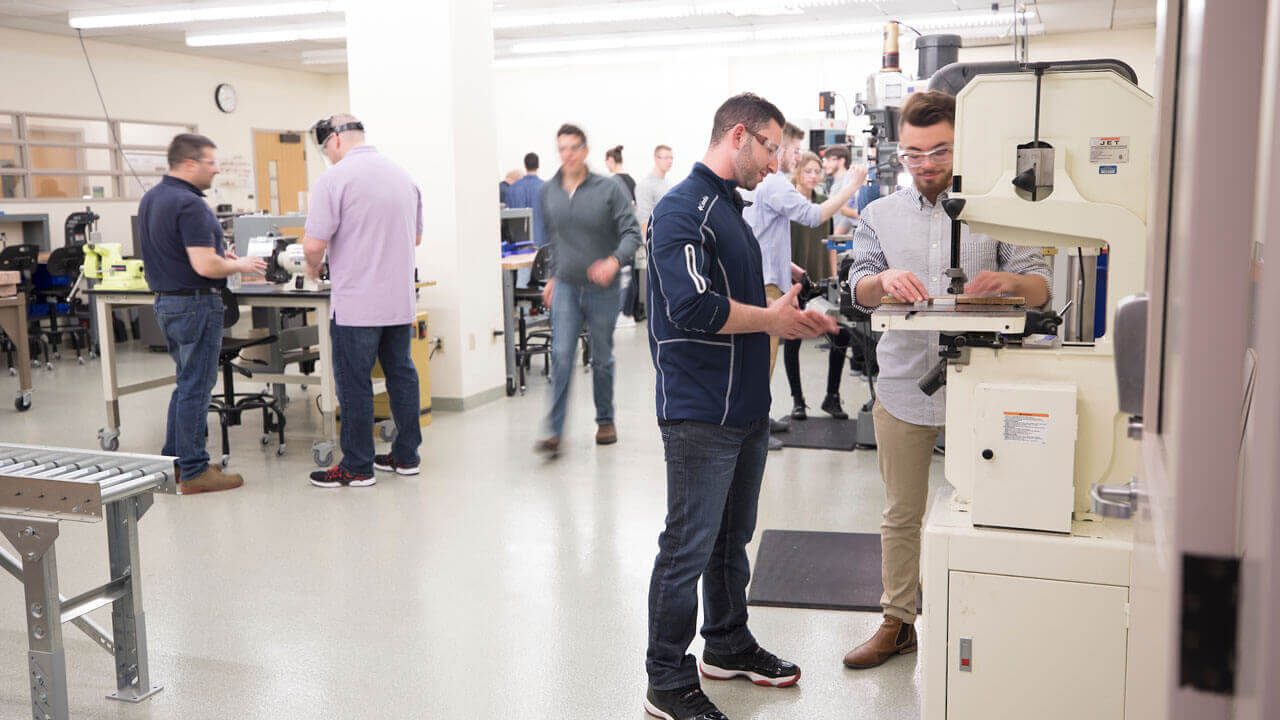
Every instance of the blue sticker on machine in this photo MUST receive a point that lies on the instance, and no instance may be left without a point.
(1107, 170)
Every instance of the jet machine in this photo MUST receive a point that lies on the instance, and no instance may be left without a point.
(1025, 588)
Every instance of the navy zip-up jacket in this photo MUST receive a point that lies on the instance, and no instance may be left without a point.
(701, 254)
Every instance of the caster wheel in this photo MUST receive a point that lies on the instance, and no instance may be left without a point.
(387, 432)
(13, 371)
(266, 440)
(23, 402)
(304, 387)
(511, 387)
(226, 460)
(48, 366)
(57, 356)
(79, 361)
(280, 451)
(93, 355)
(323, 460)
(110, 444)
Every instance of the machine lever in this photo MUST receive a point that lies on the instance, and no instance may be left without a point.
(1115, 501)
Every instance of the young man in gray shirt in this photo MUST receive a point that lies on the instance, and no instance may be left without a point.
(902, 248)
(592, 232)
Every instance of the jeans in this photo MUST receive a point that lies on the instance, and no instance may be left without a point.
(354, 351)
(192, 325)
(571, 306)
(713, 488)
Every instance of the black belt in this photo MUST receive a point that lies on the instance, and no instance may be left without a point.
(191, 291)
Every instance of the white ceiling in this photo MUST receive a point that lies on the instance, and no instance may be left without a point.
(50, 16)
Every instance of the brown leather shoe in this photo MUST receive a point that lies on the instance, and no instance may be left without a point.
(606, 434)
(549, 447)
(894, 637)
(211, 480)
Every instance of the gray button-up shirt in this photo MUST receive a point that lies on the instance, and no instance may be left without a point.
(906, 232)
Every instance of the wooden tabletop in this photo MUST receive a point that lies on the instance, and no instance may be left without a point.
(515, 262)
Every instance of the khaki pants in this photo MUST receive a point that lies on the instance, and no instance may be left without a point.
(771, 293)
(904, 451)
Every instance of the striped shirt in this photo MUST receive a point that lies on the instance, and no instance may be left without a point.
(906, 232)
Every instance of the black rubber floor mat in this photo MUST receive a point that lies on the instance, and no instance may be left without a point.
(818, 570)
(821, 433)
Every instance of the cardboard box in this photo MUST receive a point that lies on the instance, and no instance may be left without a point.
(10, 277)
(8, 290)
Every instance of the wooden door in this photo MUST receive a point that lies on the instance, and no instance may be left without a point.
(280, 166)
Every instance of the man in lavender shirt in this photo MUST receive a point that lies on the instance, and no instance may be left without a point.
(367, 212)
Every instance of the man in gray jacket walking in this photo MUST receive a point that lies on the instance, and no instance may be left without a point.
(591, 231)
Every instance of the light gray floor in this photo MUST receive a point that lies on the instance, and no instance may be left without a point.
(492, 586)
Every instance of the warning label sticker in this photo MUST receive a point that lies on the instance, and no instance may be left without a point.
(1109, 150)
(1030, 428)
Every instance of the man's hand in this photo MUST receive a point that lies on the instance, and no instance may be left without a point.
(603, 271)
(313, 271)
(548, 292)
(789, 322)
(903, 285)
(989, 282)
(246, 264)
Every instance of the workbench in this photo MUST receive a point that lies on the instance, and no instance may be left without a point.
(13, 320)
(510, 265)
(272, 296)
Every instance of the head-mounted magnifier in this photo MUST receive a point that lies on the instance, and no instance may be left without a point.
(324, 129)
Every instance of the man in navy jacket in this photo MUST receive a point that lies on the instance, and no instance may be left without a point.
(709, 337)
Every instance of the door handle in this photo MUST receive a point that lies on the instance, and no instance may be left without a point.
(1115, 501)
(1130, 345)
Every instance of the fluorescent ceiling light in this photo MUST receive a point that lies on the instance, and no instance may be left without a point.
(334, 56)
(794, 31)
(170, 15)
(277, 35)
(660, 10)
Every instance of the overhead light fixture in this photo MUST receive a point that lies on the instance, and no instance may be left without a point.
(333, 56)
(662, 10)
(171, 15)
(792, 31)
(260, 37)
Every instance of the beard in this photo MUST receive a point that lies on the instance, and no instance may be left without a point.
(748, 172)
(935, 185)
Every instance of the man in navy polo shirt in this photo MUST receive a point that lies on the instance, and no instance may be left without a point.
(186, 267)
(709, 332)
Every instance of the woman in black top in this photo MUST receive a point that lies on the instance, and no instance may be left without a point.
(613, 161)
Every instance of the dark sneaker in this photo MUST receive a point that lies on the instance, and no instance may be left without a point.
(336, 476)
(780, 425)
(757, 665)
(681, 704)
(798, 411)
(389, 464)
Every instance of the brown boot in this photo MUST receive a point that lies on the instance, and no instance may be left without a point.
(894, 637)
(550, 447)
(211, 480)
(606, 434)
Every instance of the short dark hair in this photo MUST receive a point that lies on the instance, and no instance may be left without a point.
(792, 131)
(747, 109)
(838, 151)
(923, 109)
(614, 153)
(531, 162)
(571, 129)
(187, 146)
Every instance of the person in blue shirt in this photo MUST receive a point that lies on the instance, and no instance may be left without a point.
(186, 265)
(709, 331)
(523, 193)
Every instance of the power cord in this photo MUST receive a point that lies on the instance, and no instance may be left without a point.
(111, 127)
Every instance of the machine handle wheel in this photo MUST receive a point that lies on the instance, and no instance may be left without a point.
(23, 401)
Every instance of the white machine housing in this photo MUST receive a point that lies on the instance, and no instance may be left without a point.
(1019, 622)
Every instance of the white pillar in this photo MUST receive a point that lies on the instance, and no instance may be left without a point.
(421, 80)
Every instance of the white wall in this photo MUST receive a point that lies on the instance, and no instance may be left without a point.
(48, 74)
(670, 99)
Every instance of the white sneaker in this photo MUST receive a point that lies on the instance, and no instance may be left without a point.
(625, 321)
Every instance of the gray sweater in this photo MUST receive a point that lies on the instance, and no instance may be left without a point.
(596, 222)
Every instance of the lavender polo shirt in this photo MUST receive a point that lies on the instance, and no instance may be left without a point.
(369, 211)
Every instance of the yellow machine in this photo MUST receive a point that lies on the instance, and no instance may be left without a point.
(105, 263)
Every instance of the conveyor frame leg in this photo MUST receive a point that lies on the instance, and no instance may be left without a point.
(128, 623)
(33, 538)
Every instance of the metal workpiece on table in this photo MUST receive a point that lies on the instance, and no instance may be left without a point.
(1005, 319)
(39, 487)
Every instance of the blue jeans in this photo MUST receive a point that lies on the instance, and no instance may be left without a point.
(713, 488)
(192, 325)
(354, 351)
(571, 306)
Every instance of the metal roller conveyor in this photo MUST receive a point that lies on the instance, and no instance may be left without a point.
(40, 487)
